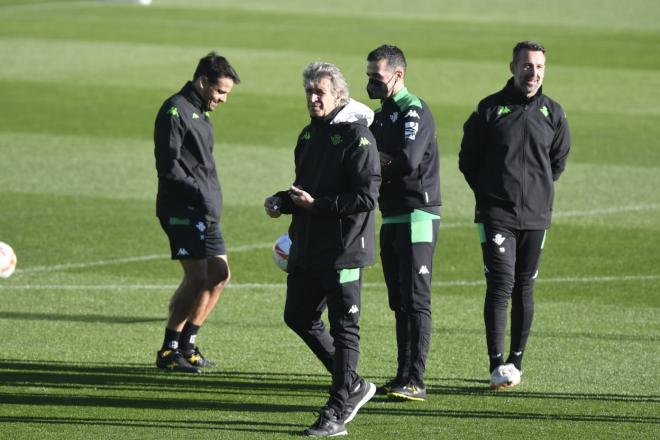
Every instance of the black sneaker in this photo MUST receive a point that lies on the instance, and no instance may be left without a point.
(387, 386)
(409, 391)
(327, 425)
(173, 360)
(362, 393)
(196, 359)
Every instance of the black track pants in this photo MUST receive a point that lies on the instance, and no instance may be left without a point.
(511, 263)
(406, 251)
(308, 294)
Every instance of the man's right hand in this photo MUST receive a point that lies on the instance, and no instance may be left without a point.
(272, 206)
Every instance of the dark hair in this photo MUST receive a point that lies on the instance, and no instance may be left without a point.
(527, 45)
(213, 67)
(392, 54)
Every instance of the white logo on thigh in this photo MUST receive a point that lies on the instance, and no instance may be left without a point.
(498, 239)
(182, 252)
(354, 309)
(424, 270)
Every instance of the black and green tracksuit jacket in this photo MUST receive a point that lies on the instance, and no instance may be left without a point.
(513, 150)
(410, 161)
(188, 182)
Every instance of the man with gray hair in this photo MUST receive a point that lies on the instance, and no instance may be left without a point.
(332, 202)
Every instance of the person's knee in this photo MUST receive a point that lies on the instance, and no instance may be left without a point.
(219, 273)
(292, 320)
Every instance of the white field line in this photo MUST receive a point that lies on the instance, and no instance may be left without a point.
(244, 248)
(605, 211)
(250, 247)
(263, 286)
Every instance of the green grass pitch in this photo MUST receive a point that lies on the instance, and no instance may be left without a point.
(80, 322)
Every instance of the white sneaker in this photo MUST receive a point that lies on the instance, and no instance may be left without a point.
(504, 376)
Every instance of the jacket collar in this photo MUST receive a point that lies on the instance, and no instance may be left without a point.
(400, 95)
(188, 91)
(515, 96)
(327, 119)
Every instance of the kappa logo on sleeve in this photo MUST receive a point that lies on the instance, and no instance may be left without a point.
(412, 113)
(195, 115)
(364, 142)
(410, 130)
(173, 111)
(394, 116)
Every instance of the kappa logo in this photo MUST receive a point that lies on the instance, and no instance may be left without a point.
(394, 116)
(503, 111)
(183, 252)
(335, 139)
(364, 142)
(173, 111)
(353, 310)
(545, 111)
(412, 113)
(195, 115)
(410, 130)
(306, 135)
(424, 270)
(201, 226)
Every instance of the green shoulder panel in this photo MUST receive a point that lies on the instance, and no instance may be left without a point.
(404, 100)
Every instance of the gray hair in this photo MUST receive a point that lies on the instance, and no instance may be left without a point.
(317, 70)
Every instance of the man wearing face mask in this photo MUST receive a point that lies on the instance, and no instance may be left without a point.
(332, 202)
(514, 148)
(188, 205)
(410, 205)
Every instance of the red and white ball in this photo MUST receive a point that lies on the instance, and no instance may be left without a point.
(281, 250)
(7, 260)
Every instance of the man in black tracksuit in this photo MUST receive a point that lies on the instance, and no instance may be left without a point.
(332, 202)
(514, 147)
(188, 205)
(410, 204)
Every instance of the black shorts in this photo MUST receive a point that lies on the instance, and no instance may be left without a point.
(193, 238)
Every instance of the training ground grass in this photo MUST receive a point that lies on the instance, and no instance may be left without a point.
(82, 318)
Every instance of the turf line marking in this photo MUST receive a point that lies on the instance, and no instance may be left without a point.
(245, 248)
(604, 211)
(449, 283)
(251, 247)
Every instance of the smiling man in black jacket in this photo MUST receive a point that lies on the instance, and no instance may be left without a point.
(332, 202)
(514, 148)
(189, 204)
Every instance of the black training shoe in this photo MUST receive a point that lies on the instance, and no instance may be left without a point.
(327, 425)
(387, 386)
(409, 391)
(196, 359)
(173, 360)
(362, 393)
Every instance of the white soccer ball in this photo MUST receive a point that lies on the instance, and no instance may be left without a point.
(7, 260)
(281, 250)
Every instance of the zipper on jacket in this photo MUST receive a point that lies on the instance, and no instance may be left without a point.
(522, 168)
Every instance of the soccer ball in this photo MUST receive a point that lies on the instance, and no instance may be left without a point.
(281, 251)
(7, 260)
